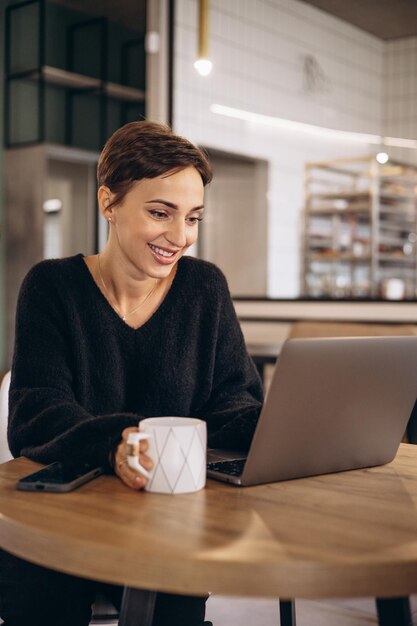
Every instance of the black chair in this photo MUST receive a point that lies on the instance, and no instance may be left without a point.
(104, 612)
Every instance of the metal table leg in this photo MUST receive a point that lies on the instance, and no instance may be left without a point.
(137, 607)
(287, 612)
(393, 611)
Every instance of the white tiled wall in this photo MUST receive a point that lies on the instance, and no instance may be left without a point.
(258, 49)
(400, 93)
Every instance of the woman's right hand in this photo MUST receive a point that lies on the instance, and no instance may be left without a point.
(131, 478)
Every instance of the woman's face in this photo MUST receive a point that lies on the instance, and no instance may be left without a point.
(157, 222)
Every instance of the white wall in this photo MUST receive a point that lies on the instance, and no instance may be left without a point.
(400, 93)
(258, 48)
(239, 190)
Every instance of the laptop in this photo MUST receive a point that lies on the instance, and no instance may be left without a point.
(333, 405)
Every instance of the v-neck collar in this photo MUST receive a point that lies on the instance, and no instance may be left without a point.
(123, 324)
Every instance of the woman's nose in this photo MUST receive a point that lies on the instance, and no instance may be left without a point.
(176, 234)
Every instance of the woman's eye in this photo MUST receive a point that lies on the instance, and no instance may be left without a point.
(194, 220)
(158, 214)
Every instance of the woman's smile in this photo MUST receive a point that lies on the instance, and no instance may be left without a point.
(163, 255)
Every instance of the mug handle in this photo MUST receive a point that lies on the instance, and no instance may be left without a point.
(133, 452)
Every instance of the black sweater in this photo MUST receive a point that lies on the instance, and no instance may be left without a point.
(81, 375)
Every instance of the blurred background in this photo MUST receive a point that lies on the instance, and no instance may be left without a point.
(308, 114)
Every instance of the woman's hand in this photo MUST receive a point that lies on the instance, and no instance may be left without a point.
(131, 478)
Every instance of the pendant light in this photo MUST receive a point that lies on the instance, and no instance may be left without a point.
(203, 65)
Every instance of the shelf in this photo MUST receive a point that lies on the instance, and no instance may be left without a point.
(339, 257)
(101, 88)
(334, 195)
(72, 80)
(392, 240)
(400, 173)
(365, 209)
(122, 92)
(393, 258)
(385, 195)
(320, 239)
(398, 226)
(362, 230)
(63, 78)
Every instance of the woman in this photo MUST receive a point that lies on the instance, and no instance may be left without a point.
(102, 341)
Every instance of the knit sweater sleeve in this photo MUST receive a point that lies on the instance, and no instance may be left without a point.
(46, 423)
(236, 399)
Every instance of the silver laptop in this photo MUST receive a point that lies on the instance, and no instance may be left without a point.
(333, 405)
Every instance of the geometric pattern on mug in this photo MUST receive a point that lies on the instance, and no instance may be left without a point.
(180, 460)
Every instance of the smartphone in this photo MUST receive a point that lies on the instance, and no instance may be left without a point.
(59, 477)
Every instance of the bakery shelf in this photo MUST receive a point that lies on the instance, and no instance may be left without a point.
(360, 224)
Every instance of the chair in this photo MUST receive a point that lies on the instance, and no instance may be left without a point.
(103, 610)
(5, 454)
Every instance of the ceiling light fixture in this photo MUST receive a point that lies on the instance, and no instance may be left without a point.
(203, 65)
(382, 157)
(312, 129)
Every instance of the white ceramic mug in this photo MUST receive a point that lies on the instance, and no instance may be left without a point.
(178, 449)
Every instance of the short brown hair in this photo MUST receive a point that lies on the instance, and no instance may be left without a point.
(144, 149)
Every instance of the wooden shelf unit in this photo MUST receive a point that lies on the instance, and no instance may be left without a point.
(85, 75)
(360, 228)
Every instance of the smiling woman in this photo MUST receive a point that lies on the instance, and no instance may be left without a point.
(103, 341)
(150, 229)
(153, 206)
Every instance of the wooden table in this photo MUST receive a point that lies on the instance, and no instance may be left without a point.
(341, 535)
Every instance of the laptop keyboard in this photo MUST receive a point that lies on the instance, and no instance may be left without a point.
(233, 468)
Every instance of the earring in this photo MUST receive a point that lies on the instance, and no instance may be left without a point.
(109, 219)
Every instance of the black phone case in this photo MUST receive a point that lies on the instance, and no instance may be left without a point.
(43, 484)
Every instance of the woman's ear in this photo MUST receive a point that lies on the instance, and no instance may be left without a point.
(105, 197)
